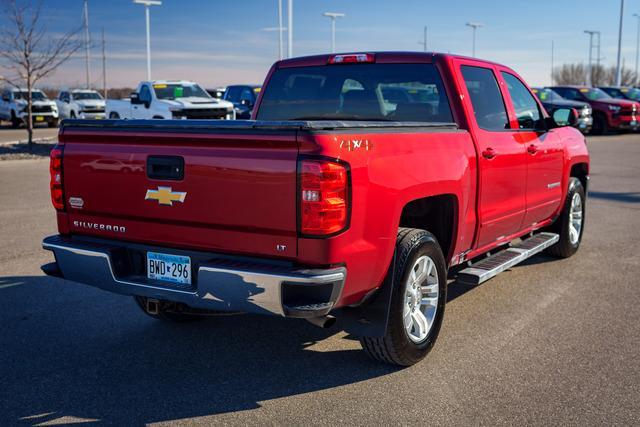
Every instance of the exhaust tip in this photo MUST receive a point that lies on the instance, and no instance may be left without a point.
(322, 321)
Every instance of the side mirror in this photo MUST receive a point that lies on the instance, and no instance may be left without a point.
(135, 98)
(565, 117)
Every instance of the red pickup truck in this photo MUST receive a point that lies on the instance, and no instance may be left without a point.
(361, 182)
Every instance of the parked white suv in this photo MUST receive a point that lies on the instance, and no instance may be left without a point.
(170, 99)
(13, 107)
(80, 104)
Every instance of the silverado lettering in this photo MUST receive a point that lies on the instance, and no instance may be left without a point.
(293, 213)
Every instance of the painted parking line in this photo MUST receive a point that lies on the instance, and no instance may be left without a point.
(10, 285)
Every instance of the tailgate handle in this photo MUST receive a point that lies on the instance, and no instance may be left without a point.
(165, 167)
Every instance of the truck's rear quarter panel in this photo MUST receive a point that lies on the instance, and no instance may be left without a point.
(390, 168)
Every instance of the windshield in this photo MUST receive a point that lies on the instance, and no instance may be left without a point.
(86, 95)
(630, 93)
(36, 95)
(594, 94)
(379, 92)
(547, 95)
(173, 91)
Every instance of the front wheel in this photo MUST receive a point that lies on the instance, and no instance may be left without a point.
(570, 223)
(600, 125)
(15, 121)
(417, 302)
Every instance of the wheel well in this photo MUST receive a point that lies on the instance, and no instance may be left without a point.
(580, 171)
(435, 214)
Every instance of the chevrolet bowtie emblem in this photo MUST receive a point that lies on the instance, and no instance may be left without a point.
(165, 196)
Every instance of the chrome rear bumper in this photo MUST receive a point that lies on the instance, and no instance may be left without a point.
(220, 282)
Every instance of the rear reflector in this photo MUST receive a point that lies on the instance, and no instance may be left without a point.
(352, 58)
(55, 170)
(323, 197)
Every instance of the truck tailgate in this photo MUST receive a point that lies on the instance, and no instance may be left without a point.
(237, 193)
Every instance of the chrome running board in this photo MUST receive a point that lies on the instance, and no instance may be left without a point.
(497, 263)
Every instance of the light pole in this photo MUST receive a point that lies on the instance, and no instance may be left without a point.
(333, 16)
(289, 28)
(474, 26)
(552, 54)
(637, 46)
(87, 41)
(424, 41)
(146, 4)
(618, 69)
(591, 33)
(280, 41)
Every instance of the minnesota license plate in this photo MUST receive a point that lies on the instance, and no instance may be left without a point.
(169, 268)
(39, 119)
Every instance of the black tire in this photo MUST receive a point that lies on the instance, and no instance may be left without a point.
(53, 123)
(600, 125)
(15, 121)
(565, 247)
(72, 115)
(171, 316)
(395, 347)
(114, 116)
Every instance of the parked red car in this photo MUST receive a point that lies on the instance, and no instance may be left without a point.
(608, 113)
(344, 197)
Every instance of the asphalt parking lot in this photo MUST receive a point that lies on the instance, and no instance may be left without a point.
(548, 342)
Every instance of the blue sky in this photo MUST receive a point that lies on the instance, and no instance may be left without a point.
(218, 42)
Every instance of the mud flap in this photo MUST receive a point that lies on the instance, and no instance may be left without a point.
(371, 318)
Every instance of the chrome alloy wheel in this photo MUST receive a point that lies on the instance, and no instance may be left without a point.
(575, 218)
(421, 299)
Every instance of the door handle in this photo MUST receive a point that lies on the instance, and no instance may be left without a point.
(489, 153)
(532, 149)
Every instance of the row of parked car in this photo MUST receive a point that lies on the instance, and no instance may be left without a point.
(158, 99)
(600, 109)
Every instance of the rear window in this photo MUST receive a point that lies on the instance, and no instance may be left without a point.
(379, 92)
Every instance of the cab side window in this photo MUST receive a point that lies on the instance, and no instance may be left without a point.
(488, 105)
(525, 106)
(145, 94)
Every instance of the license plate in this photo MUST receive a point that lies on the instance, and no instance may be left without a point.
(169, 268)
(39, 119)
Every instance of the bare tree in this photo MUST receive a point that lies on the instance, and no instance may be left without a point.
(570, 74)
(576, 74)
(28, 52)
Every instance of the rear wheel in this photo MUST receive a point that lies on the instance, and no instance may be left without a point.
(72, 115)
(53, 123)
(570, 223)
(113, 115)
(417, 302)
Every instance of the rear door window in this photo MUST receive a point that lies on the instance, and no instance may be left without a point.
(486, 99)
(379, 92)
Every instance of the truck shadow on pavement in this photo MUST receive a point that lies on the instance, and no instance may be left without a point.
(630, 197)
(70, 353)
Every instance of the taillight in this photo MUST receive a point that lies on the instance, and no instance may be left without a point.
(324, 197)
(352, 58)
(55, 170)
